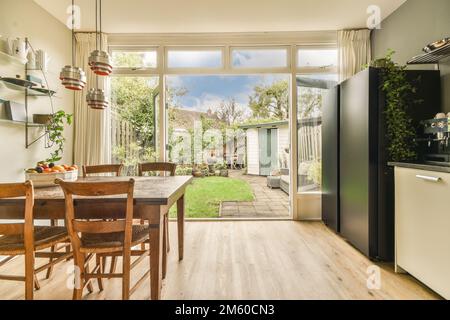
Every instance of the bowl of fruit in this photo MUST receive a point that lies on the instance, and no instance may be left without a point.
(44, 174)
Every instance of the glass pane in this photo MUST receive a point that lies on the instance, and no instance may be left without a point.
(134, 59)
(220, 127)
(194, 59)
(259, 58)
(311, 90)
(318, 58)
(134, 121)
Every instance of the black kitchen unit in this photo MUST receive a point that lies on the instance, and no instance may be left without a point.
(358, 183)
(330, 158)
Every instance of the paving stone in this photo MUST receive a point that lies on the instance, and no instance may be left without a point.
(268, 202)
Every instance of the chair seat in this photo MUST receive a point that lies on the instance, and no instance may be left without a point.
(44, 237)
(91, 241)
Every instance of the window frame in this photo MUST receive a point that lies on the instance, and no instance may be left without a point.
(314, 70)
(194, 70)
(136, 71)
(260, 69)
(292, 41)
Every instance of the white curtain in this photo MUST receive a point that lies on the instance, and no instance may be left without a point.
(354, 49)
(92, 127)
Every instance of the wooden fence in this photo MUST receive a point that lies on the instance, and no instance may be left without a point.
(122, 135)
(310, 139)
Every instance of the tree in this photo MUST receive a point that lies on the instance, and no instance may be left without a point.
(134, 103)
(270, 101)
(134, 100)
(229, 113)
(310, 102)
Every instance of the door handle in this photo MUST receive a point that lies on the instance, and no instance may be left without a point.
(429, 178)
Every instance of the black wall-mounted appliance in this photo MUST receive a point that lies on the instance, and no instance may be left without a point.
(358, 183)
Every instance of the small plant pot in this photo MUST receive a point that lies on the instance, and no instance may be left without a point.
(197, 174)
(42, 118)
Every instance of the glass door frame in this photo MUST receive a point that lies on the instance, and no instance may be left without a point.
(293, 41)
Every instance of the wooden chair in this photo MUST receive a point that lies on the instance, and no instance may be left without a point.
(104, 237)
(25, 238)
(159, 167)
(103, 168)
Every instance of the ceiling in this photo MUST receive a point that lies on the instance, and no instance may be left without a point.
(193, 16)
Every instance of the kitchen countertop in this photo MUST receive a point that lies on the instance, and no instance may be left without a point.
(420, 166)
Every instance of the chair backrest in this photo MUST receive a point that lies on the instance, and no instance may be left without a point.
(14, 190)
(157, 167)
(97, 189)
(103, 168)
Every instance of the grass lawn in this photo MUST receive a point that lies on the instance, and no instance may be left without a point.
(205, 194)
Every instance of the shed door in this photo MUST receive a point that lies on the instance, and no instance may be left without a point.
(268, 151)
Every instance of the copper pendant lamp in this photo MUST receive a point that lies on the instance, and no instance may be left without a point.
(99, 60)
(100, 64)
(72, 77)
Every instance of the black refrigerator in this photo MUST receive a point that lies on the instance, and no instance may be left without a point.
(358, 182)
(330, 158)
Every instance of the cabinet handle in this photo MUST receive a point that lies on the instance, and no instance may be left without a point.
(428, 178)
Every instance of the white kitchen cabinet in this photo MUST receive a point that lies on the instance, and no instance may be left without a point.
(422, 226)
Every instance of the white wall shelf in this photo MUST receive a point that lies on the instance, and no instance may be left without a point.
(11, 59)
(30, 92)
(22, 123)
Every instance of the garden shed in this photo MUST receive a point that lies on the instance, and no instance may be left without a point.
(267, 147)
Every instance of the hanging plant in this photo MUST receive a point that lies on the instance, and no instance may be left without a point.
(399, 95)
(55, 130)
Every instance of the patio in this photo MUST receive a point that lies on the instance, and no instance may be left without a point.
(268, 203)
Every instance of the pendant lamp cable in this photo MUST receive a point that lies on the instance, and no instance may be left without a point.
(96, 24)
(101, 36)
(98, 8)
(73, 33)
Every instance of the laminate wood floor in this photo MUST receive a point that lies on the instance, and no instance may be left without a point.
(249, 260)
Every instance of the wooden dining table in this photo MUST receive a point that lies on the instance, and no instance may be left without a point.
(153, 197)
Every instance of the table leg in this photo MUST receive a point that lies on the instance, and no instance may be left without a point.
(180, 218)
(164, 249)
(156, 252)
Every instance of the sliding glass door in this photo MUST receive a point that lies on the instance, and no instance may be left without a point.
(185, 103)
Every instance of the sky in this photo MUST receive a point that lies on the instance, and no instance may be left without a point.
(208, 91)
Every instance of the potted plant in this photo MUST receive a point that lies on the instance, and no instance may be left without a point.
(196, 171)
(399, 95)
(223, 168)
(55, 130)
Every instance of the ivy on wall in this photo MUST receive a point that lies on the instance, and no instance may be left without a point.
(399, 95)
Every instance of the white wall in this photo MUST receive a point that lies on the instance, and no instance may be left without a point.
(415, 24)
(24, 18)
(253, 151)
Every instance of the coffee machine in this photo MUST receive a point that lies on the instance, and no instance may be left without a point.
(437, 141)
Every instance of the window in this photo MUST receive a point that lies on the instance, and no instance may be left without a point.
(311, 91)
(134, 120)
(259, 58)
(210, 59)
(317, 58)
(134, 59)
